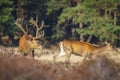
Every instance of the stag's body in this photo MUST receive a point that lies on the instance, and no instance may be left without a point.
(68, 47)
(27, 44)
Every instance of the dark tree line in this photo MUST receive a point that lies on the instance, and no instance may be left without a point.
(92, 21)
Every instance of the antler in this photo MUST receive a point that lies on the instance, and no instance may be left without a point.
(37, 27)
(19, 25)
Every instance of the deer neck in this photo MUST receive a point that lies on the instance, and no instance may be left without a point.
(100, 49)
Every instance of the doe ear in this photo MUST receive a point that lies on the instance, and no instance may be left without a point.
(108, 44)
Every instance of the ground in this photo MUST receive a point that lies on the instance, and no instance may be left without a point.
(74, 58)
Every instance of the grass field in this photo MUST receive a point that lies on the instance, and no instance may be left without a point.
(73, 59)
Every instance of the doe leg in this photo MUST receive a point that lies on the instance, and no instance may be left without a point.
(67, 59)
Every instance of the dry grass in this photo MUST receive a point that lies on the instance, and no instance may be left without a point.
(18, 67)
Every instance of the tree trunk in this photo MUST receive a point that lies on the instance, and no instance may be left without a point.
(73, 33)
(106, 15)
(11, 39)
(115, 18)
(81, 35)
(0, 38)
(89, 38)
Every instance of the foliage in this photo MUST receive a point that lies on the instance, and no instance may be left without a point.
(54, 5)
(6, 9)
(6, 17)
(59, 34)
(99, 16)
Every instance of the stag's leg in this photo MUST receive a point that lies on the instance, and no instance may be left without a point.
(33, 54)
(25, 54)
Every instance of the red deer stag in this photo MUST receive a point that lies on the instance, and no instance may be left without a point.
(87, 50)
(27, 42)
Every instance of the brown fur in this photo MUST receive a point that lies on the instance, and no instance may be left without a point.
(80, 48)
(27, 44)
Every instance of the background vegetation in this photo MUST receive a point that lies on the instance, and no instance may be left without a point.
(95, 21)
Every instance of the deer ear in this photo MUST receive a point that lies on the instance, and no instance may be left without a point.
(108, 44)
